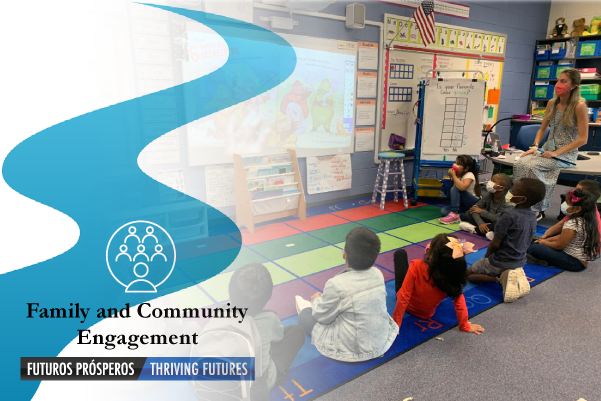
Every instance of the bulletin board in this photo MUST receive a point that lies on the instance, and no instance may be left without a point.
(407, 61)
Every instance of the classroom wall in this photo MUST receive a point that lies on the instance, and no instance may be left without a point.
(523, 23)
(573, 10)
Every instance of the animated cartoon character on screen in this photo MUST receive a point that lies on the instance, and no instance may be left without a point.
(322, 111)
(299, 95)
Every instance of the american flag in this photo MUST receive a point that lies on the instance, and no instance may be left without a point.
(424, 17)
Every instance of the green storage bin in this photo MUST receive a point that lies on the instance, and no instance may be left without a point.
(592, 97)
(590, 89)
(560, 67)
(545, 71)
(543, 91)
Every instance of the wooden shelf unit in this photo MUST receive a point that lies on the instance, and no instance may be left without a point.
(245, 213)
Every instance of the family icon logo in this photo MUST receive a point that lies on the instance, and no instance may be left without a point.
(141, 256)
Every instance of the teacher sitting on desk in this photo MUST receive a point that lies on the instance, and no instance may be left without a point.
(568, 118)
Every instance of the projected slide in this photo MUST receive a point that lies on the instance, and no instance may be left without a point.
(312, 111)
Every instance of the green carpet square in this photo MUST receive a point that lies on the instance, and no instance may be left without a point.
(245, 256)
(436, 222)
(313, 261)
(334, 234)
(387, 243)
(422, 213)
(418, 232)
(278, 248)
(388, 222)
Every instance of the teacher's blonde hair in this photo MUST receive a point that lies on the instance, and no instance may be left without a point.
(575, 98)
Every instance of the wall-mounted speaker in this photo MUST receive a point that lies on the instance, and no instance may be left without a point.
(355, 16)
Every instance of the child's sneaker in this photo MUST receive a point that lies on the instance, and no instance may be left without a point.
(523, 283)
(490, 235)
(509, 282)
(465, 226)
(452, 218)
(534, 261)
(301, 304)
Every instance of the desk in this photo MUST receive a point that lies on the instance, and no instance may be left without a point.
(585, 167)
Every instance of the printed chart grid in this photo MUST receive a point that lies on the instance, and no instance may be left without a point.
(401, 71)
(454, 123)
(399, 94)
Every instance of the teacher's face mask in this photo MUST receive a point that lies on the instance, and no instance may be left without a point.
(561, 89)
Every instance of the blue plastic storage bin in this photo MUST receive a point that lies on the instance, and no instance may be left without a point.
(561, 54)
(559, 68)
(545, 72)
(542, 54)
(543, 92)
(591, 48)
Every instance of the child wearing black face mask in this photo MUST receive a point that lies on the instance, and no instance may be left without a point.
(506, 254)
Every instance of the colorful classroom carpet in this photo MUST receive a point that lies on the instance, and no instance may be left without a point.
(302, 255)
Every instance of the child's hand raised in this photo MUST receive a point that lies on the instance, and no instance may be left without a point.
(476, 328)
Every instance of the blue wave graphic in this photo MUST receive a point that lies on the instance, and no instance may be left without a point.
(72, 167)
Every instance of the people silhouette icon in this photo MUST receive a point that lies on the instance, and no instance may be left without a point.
(158, 251)
(149, 233)
(123, 251)
(137, 260)
(141, 249)
(132, 233)
(141, 285)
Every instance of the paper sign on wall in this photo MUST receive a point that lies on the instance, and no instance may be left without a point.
(366, 112)
(329, 173)
(174, 181)
(219, 181)
(367, 83)
(364, 139)
(368, 56)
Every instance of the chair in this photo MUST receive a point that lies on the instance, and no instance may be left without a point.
(384, 171)
(526, 135)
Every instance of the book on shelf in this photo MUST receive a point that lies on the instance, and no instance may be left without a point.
(256, 183)
(280, 179)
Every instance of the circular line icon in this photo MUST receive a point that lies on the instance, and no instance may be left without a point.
(140, 262)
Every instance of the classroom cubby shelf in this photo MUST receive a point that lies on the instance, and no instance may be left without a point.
(251, 212)
(579, 62)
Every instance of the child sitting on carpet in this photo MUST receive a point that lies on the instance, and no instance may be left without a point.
(481, 218)
(588, 185)
(465, 190)
(251, 287)
(421, 286)
(578, 242)
(349, 321)
(506, 254)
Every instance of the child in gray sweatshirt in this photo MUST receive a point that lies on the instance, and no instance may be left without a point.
(481, 218)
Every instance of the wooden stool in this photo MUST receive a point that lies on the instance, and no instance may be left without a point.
(386, 159)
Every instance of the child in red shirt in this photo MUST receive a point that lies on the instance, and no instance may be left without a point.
(422, 285)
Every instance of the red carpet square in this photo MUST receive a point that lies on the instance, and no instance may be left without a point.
(360, 213)
(391, 206)
(317, 222)
(267, 233)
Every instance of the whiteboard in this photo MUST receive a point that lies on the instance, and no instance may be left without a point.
(329, 173)
(452, 116)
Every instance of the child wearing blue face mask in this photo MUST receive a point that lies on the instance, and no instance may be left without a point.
(578, 243)
(506, 254)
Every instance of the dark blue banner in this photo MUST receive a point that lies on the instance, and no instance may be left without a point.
(212, 369)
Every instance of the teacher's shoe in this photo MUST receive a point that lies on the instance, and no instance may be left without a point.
(523, 283)
(452, 218)
(509, 282)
